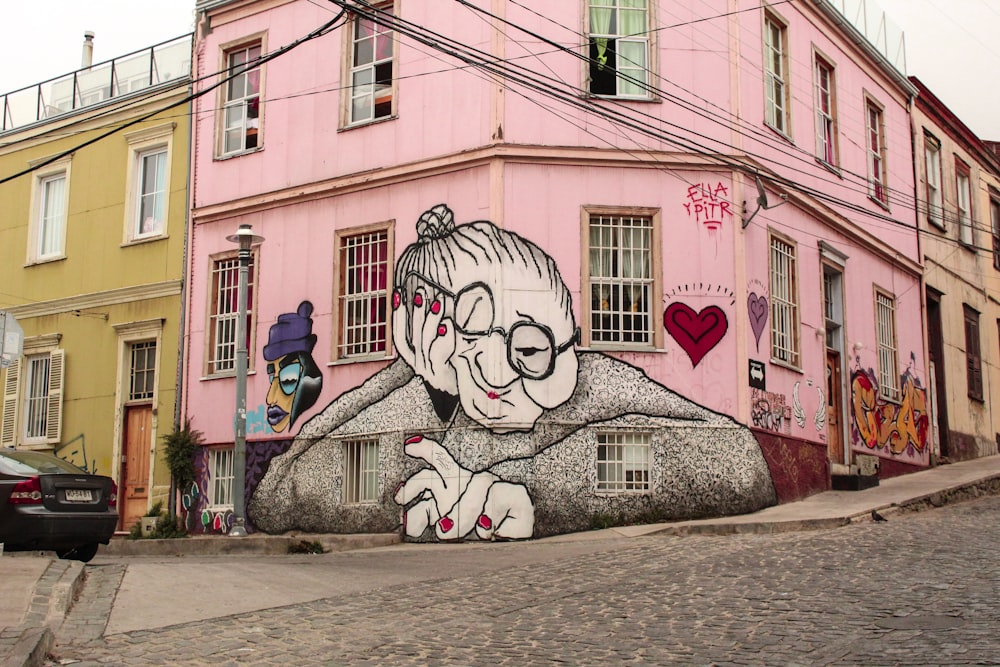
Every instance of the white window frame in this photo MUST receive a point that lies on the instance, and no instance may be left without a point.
(220, 332)
(361, 471)
(13, 424)
(784, 288)
(878, 185)
(607, 286)
(244, 102)
(826, 110)
(632, 79)
(352, 304)
(777, 94)
(887, 347)
(141, 144)
(220, 478)
(963, 202)
(59, 170)
(624, 463)
(932, 178)
(369, 92)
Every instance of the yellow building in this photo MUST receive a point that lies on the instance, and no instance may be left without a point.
(958, 204)
(93, 194)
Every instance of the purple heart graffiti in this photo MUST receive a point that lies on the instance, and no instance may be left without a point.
(757, 307)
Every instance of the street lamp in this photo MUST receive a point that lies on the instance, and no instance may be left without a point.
(245, 238)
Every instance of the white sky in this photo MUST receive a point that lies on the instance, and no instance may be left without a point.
(951, 44)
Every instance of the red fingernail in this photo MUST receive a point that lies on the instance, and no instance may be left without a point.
(485, 522)
(436, 307)
(418, 300)
(396, 300)
(398, 487)
(442, 330)
(446, 524)
(410, 441)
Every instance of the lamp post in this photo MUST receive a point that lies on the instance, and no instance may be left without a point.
(245, 238)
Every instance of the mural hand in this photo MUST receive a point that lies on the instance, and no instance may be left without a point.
(461, 518)
(425, 338)
(508, 513)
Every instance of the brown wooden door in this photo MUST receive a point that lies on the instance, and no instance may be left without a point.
(134, 495)
(834, 432)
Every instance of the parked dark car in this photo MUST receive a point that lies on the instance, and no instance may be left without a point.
(51, 505)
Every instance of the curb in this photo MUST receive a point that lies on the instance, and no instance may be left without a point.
(258, 544)
(54, 595)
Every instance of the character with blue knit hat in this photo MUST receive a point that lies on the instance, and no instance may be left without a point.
(296, 380)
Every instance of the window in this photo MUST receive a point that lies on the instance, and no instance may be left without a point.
(833, 306)
(775, 74)
(885, 333)
(973, 358)
(623, 462)
(360, 471)
(826, 149)
(621, 279)
(877, 189)
(963, 202)
(619, 48)
(932, 165)
(241, 100)
(33, 397)
(142, 372)
(362, 293)
(784, 302)
(50, 200)
(225, 313)
(995, 225)
(148, 182)
(371, 65)
(220, 483)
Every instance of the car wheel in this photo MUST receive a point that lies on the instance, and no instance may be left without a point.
(84, 553)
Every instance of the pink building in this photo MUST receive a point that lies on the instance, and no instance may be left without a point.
(700, 280)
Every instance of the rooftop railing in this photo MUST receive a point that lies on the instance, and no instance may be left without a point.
(872, 22)
(124, 75)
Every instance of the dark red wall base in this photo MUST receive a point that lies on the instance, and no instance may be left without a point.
(799, 468)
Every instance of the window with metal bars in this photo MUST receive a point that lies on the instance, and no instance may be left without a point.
(142, 373)
(784, 302)
(888, 358)
(220, 470)
(36, 398)
(621, 279)
(225, 314)
(362, 300)
(973, 357)
(623, 462)
(360, 471)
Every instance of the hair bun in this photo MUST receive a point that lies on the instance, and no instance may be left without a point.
(437, 223)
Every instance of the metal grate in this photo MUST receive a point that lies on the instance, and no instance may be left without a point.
(623, 462)
(360, 471)
(225, 313)
(885, 329)
(364, 275)
(621, 279)
(36, 402)
(784, 302)
(142, 376)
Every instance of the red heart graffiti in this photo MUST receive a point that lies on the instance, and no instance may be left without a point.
(697, 333)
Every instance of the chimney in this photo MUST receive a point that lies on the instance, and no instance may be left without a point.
(88, 50)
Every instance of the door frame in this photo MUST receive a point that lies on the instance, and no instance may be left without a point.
(834, 262)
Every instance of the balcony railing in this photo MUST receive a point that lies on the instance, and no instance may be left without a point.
(125, 75)
(872, 22)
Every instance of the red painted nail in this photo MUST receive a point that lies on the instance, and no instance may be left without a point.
(398, 487)
(446, 524)
(442, 330)
(485, 522)
(411, 440)
(418, 300)
(396, 300)
(436, 307)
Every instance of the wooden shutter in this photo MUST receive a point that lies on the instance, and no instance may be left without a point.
(8, 429)
(53, 430)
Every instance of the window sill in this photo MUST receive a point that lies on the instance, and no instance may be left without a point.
(937, 225)
(978, 399)
(786, 364)
(144, 240)
(620, 347)
(367, 123)
(970, 246)
(623, 98)
(225, 374)
(343, 361)
(778, 132)
(230, 156)
(833, 169)
(45, 260)
(882, 204)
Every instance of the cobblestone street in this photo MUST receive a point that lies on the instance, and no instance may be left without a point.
(921, 589)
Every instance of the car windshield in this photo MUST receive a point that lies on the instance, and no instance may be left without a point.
(14, 462)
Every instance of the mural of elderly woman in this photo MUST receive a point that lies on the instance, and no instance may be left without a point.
(544, 437)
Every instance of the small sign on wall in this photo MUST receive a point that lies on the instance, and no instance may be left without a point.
(757, 377)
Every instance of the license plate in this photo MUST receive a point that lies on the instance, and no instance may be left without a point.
(79, 495)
